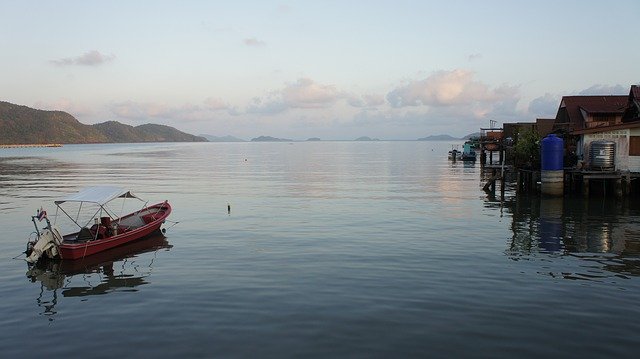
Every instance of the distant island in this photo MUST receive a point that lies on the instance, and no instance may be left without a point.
(448, 137)
(270, 139)
(227, 138)
(366, 138)
(471, 135)
(25, 125)
(314, 139)
(438, 138)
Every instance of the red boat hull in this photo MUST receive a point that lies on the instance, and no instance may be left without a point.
(81, 250)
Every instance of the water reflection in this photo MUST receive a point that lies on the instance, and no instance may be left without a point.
(114, 270)
(603, 234)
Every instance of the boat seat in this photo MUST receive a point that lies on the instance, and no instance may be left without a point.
(84, 235)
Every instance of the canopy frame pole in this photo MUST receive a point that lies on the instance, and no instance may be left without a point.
(94, 216)
(71, 218)
(78, 215)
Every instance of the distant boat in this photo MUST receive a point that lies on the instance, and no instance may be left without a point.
(468, 153)
(108, 231)
(455, 153)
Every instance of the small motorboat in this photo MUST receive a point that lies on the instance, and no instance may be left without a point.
(468, 153)
(102, 231)
(454, 154)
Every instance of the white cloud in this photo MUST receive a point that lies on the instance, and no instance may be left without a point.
(216, 104)
(148, 111)
(302, 94)
(73, 108)
(305, 93)
(599, 89)
(456, 93)
(443, 88)
(91, 58)
(283, 9)
(366, 100)
(474, 57)
(544, 106)
(269, 107)
(253, 42)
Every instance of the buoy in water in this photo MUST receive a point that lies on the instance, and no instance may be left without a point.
(228, 208)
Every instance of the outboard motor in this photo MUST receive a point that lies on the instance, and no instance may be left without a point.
(47, 244)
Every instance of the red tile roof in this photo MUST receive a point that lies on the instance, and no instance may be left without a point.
(591, 104)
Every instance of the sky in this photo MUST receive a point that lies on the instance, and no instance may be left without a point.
(338, 70)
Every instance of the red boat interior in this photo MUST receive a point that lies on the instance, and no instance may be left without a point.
(107, 227)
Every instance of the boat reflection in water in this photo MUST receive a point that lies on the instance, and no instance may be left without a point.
(601, 234)
(114, 270)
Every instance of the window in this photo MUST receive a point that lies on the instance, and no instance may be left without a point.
(634, 146)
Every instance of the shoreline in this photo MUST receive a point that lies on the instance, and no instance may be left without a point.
(32, 145)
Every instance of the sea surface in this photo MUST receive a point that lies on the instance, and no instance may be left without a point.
(330, 250)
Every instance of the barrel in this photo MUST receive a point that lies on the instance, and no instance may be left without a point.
(552, 153)
(602, 155)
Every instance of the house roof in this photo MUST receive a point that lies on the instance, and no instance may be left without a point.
(592, 104)
(632, 112)
(635, 92)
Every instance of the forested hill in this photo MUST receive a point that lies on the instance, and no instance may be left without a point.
(25, 125)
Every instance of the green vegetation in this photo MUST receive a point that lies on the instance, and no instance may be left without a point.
(24, 125)
(526, 152)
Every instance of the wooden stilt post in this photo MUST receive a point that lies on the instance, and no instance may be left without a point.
(493, 183)
(618, 187)
(585, 187)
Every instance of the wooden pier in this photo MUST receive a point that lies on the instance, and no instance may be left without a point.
(585, 182)
(29, 145)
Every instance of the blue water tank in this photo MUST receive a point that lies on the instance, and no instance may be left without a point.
(552, 153)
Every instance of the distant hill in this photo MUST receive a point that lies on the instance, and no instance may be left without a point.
(469, 136)
(270, 139)
(366, 138)
(314, 139)
(212, 138)
(24, 125)
(438, 138)
(448, 137)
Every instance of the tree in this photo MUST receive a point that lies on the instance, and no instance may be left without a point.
(527, 150)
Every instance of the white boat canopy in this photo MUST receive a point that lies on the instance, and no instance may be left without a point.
(99, 195)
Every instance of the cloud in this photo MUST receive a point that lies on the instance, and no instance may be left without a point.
(140, 110)
(305, 93)
(476, 56)
(269, 107)
(457, 92)
(73, 108)
(302, 94)
(253, 42)
(366, 100)
(599, 89)
(147, 111)
(544, 106)
(216, 104)
(283, 9)
(91, 58)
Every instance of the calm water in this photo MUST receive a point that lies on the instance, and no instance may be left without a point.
(332, 249)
